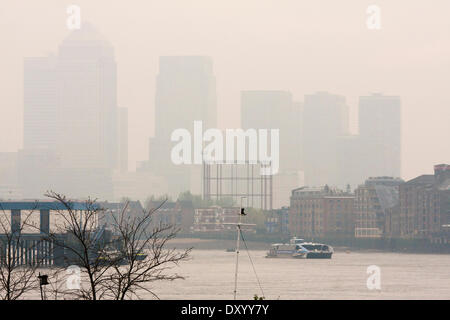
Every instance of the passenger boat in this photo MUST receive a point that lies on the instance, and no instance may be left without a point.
(299, 249)
(281, 250)
(317, 250)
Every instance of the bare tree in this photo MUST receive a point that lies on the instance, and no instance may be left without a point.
(76, 232)
(17, 272)
(118, 263)
(145, 254)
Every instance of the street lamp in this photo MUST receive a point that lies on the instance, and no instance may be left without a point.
(43, 281)
(238, 226)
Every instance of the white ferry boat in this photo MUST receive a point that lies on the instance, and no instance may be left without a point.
(281, 250)
(299, 249)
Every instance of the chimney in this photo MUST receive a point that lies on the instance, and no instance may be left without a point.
(441, 172)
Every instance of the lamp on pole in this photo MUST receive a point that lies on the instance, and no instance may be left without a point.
(43, 281)
(238, 227)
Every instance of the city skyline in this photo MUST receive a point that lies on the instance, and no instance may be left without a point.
(379, 51)
(73, 129)
(208, 150)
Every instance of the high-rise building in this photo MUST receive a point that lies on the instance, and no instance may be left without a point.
(123, 140)
(41, 109)
(185, 92)
(325, 119)
(88, 106)
(70, 111)
(275, 110)
(380, 134)
(350, 161)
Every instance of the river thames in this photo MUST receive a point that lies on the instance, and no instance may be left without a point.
(209, 274)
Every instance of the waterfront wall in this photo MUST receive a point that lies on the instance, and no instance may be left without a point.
(339, 243)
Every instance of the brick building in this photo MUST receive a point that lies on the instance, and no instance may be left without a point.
(319, 212)
(376, 205)
(425, 205)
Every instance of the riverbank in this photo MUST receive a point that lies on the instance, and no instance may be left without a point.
(257, 242)
(221, 244)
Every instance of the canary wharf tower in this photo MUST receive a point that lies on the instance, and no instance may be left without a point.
(70, 112)
(185, 92)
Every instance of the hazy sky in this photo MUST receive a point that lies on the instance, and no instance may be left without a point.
(300, 46)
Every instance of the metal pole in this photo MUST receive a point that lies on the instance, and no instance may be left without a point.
(40, 286)
(237, 256)
(238, 226)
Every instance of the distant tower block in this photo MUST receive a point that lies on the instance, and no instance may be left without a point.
(223, 180)
(123, 139)
(380, 128)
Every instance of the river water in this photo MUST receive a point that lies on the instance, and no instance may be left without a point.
(210, 275)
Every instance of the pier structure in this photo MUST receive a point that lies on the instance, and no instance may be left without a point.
(29, 243)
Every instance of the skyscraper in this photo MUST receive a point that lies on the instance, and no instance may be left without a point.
(88, 106)
(123, 139)
(185, 92)
(325, 119)
(380, 134)
(275, 110)
(351, 168)
(40, 117)
(70, 110)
